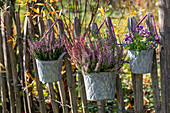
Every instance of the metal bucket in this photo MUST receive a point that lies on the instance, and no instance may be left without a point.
(141, 63)
(100, 86)
(50, 71)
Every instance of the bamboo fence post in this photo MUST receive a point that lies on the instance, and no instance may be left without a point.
(154, 72)
(137, 79)
(26, 65)
(119, 89)
(3, 81)
(20, 45)
(50, 85)
(61, 83)
(13, 64)
(38, 83)
(7, 63)
(101, 104)
(80, 76)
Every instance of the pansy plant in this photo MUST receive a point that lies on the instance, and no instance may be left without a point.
(139, 39)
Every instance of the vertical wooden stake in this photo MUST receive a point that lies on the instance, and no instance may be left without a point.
(26, 64)
(119, 92)
(13, 64)
(62, 95)
(51, 89)
(20, 45)
(101, 104)
(7, 63)
(119, 89)
(155, 85)
(3, 81)
(71, 84)
(61, 83)
(38, 83)
(40, 89)
(138, 92)
(49, 23)
(80, 76)
(41, 26)
(52, 96)
(164, 25)
(154, 73)
(137, 79)
(83, 93)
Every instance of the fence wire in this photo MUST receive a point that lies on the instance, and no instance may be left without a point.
(89, 106)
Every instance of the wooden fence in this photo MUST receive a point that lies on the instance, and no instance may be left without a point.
(14, 81)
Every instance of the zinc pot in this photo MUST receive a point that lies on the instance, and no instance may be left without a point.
(141, 63)
(50, 71)
(100, 86)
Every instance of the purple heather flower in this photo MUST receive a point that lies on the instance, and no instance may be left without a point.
(92, 54)
(43, 47)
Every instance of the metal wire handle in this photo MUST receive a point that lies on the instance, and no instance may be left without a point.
(112, 30)
(157, 37)
(50, 28)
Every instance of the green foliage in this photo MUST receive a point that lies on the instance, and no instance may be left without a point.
(138, 44)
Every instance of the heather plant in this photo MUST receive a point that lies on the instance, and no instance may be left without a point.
(46, 48)
(139, 39)
(95, 54)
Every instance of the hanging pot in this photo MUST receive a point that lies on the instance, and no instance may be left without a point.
(100, 86)
(142, 62)
(50, 71)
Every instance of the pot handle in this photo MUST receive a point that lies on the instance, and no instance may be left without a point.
(62, 55)
(156, 37)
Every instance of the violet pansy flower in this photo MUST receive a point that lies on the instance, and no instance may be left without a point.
(128, 40)
(152, 44)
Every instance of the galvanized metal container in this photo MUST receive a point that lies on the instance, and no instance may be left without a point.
(142, 62)
(100, 86)
(50, 71)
